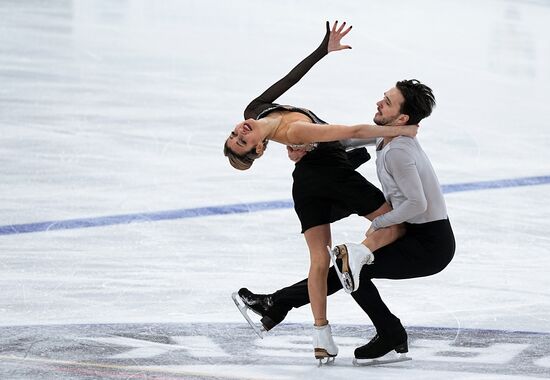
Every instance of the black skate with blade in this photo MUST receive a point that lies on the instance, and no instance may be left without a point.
(261, 304)
(377, 351)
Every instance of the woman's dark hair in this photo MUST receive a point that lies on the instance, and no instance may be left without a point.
(419, 100)
(241, 161)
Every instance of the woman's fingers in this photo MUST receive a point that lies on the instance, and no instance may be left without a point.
(345, 31)
(340, 29)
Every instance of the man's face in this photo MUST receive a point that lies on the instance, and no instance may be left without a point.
(389, 108)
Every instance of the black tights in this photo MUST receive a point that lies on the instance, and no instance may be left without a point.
(425, 249)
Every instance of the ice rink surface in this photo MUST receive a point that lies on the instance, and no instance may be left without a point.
(122, 231)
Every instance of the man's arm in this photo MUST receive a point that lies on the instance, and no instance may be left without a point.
(405, 173)
(295, 154)
(357, 143)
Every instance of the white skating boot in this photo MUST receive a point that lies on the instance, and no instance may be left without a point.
(353, 257)
(323, 345)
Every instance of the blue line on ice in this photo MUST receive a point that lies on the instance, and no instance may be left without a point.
(231, 209)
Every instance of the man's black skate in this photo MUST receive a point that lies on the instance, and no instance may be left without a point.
(377, 350)
(261, 304)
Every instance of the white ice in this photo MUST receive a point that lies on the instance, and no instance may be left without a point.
(112, 108)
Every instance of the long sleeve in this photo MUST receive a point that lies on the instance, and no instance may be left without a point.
(289, 80)
(401, 166)
(357, 143)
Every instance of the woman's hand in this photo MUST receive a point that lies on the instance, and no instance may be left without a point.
(336, 35)
(409, 130)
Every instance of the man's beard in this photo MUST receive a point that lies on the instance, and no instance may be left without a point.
(382, 121)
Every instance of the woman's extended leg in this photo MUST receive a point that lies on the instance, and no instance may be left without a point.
(317, 239)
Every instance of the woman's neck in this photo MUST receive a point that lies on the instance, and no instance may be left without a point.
(269, 125)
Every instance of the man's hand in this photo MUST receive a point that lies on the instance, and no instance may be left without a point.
(393, 232)
(369, 231)
(336, 35)
(295, 154)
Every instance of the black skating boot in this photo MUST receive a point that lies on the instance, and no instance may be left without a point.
(383, 343)
(263, 305)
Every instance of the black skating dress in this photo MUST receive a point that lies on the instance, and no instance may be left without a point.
(326, 186)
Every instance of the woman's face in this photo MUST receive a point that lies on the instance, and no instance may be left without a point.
(244, 137)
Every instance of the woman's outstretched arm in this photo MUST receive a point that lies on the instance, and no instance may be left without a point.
(302, 132)
(331, 42)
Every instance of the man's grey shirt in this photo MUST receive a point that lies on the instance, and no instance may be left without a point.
(409, 183)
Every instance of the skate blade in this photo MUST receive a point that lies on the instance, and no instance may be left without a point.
(386, 359)
(345, 278)
(323, 356)
(329, 360)
(243, 309)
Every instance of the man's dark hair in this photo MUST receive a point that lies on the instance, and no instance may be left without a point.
(419, 100)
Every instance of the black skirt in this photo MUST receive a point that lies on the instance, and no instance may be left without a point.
(326, 188)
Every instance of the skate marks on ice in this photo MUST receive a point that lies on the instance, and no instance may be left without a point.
(218, 350)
